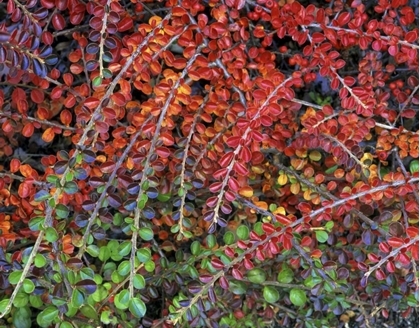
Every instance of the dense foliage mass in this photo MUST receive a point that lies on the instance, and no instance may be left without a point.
(206, 163)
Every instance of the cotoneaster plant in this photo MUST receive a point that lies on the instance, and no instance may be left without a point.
(163, 163)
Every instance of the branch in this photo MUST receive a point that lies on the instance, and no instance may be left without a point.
(395, 252)
(147, 163)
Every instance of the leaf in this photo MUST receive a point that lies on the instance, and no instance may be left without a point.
(242, 232)
(146, 233)
(41, 196)
(285, 276)
(122, 299)
(47, 316)
(257, 276)
(48, 135)
(137, 307)
(321, 236)
(139, 282)
(297, 297)
(15, 276)
(70, 187)
(414, 166)
(271, 294)
(87, 285)
(51, 234)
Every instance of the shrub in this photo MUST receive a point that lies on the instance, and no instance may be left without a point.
(208, 163)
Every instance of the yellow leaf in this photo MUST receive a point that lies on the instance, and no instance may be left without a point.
(246, 191)
(315, 155)
(295, 188)
(280, 210)
(282, 179)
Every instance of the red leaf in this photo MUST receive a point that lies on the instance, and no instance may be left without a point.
(217, 264)
(240, 169)
(125, 24)
(28, 130)
(283, 219)
(268, 228)
(237, 274)
(380, 275)
(226, 159)
(395, 242)
(233, 184)
(412, 232)
(248, 264)
(233, 142)
(254, 236)
(306, 241)
(215, 187)
(344, 18)
(245, 154)
(224, 283)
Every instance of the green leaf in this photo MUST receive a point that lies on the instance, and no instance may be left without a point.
(257, 276)
(22, 317)
(271, 294)
(62, 211)
(70, 187)
(77, 298)
(66, 325)
(195, 248)
(146, 233)
(137, 307)
(124, 268)
(297, 297)
(104, 253)
(329, 225)
(21, 300)
(211, 241)
(331, 170)
(51, 235)
(164, 197)
(88, 311)
(93, 250)
(285, 276)
(3, 304)
(40, 260)
(46, 317)
(242, 232)
(125, 248)
(229, 238)
(97, 81)
(121, 300)
(28, 286)
(35, 224)
(149, 266)
(139, 282)
(15, 276)
(142, 201)
(414, 166)
(321, 236)
(237, 287)
(144, 255)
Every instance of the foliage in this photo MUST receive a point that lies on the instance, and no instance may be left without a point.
(208, 163)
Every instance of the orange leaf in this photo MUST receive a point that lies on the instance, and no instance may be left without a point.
(48, 135)
(26, 170)
(28, 130)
